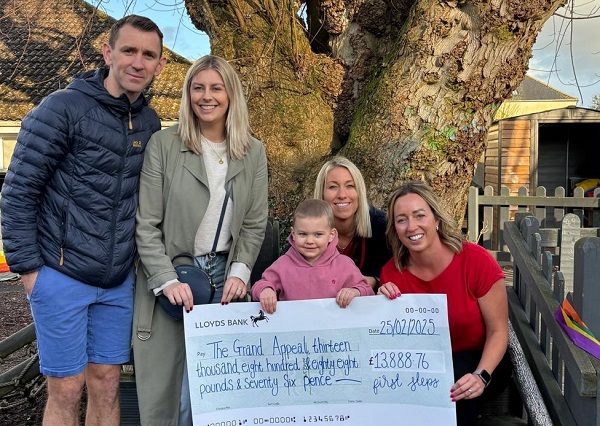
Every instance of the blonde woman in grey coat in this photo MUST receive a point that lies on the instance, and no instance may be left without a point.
(182, 189)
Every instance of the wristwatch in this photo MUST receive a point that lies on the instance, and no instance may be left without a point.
(484, 376)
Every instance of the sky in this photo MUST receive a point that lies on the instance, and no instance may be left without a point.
(558, 42)
(564, 46)
(179, 33)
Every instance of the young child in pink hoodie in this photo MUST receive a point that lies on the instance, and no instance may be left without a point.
(312, 268)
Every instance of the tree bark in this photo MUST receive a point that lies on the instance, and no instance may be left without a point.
(407, 89)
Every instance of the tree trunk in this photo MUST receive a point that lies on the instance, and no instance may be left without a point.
(406, 89)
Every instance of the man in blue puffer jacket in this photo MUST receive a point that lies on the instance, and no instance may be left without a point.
(68, 220)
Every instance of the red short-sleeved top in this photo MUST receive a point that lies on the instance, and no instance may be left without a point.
(469, 276)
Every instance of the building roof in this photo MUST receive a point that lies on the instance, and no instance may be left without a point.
(532, 96)
(569, 114)
(43, 43)
(532, 89)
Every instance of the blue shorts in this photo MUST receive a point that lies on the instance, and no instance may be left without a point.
(76, 323)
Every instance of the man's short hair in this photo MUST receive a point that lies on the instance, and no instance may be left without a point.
(139, 22)
(314, 208)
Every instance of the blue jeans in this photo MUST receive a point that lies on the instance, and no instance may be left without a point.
(215, 268)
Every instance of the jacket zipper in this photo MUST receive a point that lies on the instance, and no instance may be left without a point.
(116, 199)
(61, 260)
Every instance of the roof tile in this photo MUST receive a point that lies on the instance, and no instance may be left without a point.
(43, 43)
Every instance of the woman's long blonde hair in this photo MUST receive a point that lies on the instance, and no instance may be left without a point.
(362, 220)
(237, 126)
(449, 234)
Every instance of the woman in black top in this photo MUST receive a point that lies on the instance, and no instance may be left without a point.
(360, 227)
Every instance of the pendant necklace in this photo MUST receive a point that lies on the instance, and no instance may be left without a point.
(342, 248)
(209, 144)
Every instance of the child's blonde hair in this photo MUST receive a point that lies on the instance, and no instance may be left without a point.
(314, 208)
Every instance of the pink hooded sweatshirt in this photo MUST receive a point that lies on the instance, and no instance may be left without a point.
(293, 278)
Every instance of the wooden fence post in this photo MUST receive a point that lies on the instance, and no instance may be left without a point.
(558, 289)
(529, 228)
(578, 193)
(540, 212)
(570, 232)
(473, 215)
(586, 282)
(503, 216)
(488, 221)
(559, 212)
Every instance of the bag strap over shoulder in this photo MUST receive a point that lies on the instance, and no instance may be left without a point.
(213, 251)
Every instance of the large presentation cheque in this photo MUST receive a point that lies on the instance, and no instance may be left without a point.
(377, 362)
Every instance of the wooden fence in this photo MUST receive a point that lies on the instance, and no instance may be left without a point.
(487, 214)
(568, 377)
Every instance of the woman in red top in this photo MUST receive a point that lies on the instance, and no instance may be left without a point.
(431, 256)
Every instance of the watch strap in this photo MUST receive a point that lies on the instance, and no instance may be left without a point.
(485, 377)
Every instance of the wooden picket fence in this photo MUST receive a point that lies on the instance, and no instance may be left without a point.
(487, 214)
(559, 229)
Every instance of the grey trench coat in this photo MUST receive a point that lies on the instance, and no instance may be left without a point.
(173, 198)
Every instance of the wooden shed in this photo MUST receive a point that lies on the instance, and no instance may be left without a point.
(559, 147)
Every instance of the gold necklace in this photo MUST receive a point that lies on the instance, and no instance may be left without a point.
(341, 249)
(209, 144)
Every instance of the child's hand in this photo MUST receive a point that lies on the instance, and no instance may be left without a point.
(268, 300)
(345, 296)
(390, 290)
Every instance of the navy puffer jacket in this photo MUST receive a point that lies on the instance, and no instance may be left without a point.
(70, 195)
